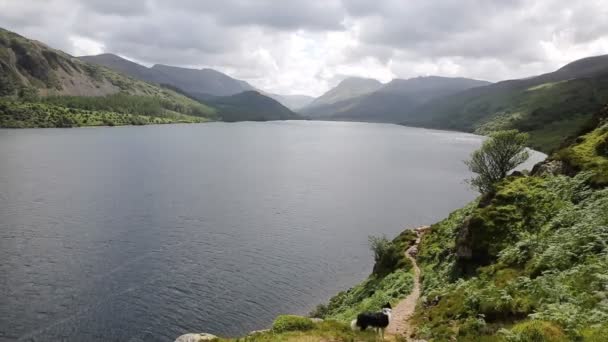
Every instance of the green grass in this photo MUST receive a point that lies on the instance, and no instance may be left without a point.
(328, 330)
(376, 290)
(542, 272)
(590, 153)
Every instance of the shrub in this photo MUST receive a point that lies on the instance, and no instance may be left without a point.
(388, 255)
(498, 155)
(291, 323)
(537, 331)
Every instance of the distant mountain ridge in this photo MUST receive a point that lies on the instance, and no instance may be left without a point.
(348, 88)
(551, 106)
(390, 102)
(198, 81)
(201, 83)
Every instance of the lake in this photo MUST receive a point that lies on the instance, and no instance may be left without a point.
(146, 233)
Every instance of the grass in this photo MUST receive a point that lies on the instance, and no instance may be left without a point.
(377, 289)
(541, 266)
(328, 330)
(590, 153)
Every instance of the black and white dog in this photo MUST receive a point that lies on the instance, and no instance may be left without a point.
(376, 320)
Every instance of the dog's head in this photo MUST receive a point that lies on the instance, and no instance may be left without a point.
(386, 309)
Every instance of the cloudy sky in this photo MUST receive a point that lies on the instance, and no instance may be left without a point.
(305, 47)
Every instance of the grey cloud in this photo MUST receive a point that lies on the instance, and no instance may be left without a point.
(489, 39)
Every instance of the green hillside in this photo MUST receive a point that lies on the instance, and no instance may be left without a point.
(251, 106)
(43, 87)
(551, 107)
(529, 262)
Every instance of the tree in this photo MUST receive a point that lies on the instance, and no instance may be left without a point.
(498, 155)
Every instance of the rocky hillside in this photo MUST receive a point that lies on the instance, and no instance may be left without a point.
(44, 87)
(193, 81)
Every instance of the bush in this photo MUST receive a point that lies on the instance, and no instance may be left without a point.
(291, 323)
(388, 256)
(537, 331)
(498, 155)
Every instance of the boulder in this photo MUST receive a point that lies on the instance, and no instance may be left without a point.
(196, 337)
(550, 167)
(256, 332)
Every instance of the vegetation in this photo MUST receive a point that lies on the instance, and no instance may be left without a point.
(291, 323)
(131, 104)
(550, 111)
(43, 87)
(17, 114)
(388, 283)
(537, 261)
(589, 153)
(328, 330)
(498, 155)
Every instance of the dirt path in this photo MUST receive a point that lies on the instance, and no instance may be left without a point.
(400, 322)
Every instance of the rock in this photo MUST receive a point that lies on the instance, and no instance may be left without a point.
(550, 167)
(316, 320)
(464, 247)
(256, 332)
(422, 229)
(196, 337)
(413, 251)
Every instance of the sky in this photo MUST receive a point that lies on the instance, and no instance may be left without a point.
(306, 47)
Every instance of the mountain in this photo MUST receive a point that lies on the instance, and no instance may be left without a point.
(551, 107)
(348, 88)
(395, 100)
(193, 81)
(126, 67)
(293, 102)
(201, 84)
(203, 81)
(251, 106)
(44, 87)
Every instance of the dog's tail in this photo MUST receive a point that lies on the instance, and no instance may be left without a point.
(353, 324)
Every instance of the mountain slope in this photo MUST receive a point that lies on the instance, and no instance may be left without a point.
(37, 74)
(349, 88)
(204, 85)
(126, 67)
(397, 99)
(251, 106)
(203, 81)
(293, 102)
(193, 81)
(551, 107)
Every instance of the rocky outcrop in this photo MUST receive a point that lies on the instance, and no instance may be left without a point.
(196, 337)
(550, 167)
(464, 241)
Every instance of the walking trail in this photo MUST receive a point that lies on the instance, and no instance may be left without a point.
(400, 322)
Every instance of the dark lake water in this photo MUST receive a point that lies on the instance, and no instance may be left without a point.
(145, 233)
